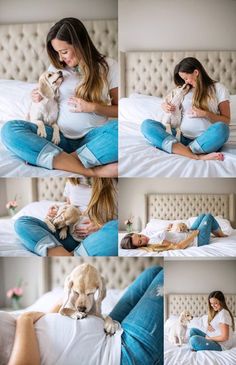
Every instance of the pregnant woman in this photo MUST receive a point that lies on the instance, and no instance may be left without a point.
(219, 335)
(205, 116)
(88, 97)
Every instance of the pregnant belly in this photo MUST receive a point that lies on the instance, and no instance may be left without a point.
(193, 127)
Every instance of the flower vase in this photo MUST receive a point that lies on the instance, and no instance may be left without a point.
(16, 303)
(129, 228)
(11, 212)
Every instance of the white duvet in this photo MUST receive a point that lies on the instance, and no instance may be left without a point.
(15, 100)
(175, 355)
(138, 158)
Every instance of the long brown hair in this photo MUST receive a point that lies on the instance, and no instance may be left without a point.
(211, 312)
(93, 65)
(103, 205)
(205, 86)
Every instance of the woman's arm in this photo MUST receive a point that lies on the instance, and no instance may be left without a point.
(224, 115)
(224, 329)
(111, 111)
(25, 348)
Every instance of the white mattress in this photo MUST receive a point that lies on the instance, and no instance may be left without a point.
(218, 247)
(184, 356)
(10, 244)
(137, 158)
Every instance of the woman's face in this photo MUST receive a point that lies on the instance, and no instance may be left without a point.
(139, 240)
(215, 304)
(66, 52)
(190, 79)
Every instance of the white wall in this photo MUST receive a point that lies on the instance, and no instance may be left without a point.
(29, 270)
(177, 24)
(132, 191)
(27, 11)
(200, 276)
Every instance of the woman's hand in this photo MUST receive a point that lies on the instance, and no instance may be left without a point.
(210, 328)
(79, 105)
(52, 211)
(196, 113)
(168, 107)
(85, 230)
(36, 97)
(34, 316)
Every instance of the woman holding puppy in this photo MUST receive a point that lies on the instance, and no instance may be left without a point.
(95, 236)
(219, 335)
(199, 234)
(88, 97)
(205, 116)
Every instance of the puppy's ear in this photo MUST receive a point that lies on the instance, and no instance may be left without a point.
(67, 288)
(101, 294)
(45, 88)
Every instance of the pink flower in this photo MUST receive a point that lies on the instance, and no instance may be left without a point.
(12, 204)
(15, 292)
(10, 293)
(18, 291)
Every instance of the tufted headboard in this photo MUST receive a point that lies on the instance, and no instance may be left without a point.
(195, 303)
(183, 206)
(118, 272)
(23, 53)
(152, 72)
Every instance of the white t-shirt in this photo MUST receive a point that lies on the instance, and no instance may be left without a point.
(193, 127)
(174, 237)
(79, 195)
(76, 125)
(222, 317)
(63, 340)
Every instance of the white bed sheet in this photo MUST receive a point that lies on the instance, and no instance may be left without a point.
(184, 356)
(137, 158)
(218, 247)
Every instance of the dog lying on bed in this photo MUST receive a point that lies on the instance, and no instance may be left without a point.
(66, 216)
(175, 97)
(46, 110)
(81, 287)
(178, 330)
(178, 227)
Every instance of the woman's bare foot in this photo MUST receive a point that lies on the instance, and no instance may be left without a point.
(219, 233)
(212, 156)
(110, 170)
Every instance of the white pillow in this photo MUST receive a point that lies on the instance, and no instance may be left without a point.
(233, 108)
(36, 209)
(138, 107)
(15, 99)
(47, 301)
(161, 224)
(224, 224)
(196, 322)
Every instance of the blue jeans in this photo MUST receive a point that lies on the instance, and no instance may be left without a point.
(140, 312)
(198, 341)
(206, 224)
(209, 141)
(36, 237)
(98, 147)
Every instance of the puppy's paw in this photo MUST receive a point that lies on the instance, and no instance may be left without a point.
(50, 226)
(41, 132)
(79, 315)
(63, 234)
(110, 326)
(56, 138)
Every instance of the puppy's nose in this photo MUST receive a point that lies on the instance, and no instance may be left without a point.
(60, 73)
(81, 309)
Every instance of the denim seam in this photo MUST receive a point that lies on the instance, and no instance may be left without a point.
(195, 147)
(168, 143)
(80, 251)
(87, 158)
(44, 244)
(47, 154)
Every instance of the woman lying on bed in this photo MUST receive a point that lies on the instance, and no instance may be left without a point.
(219, 334)
(199, 234)
(55, 339)
(205, 116)
(88, 97)
(98, 232)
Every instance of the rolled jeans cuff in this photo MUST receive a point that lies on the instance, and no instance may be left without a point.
(80, 251)
(168, 143)
(87, 158)
(47, 154)
(44, 244)
(195, 147)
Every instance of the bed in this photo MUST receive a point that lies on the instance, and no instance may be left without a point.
(23, 59)
(118, 274)
(162, 209)
(145, 77)
(44, 193)
(197, 305)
